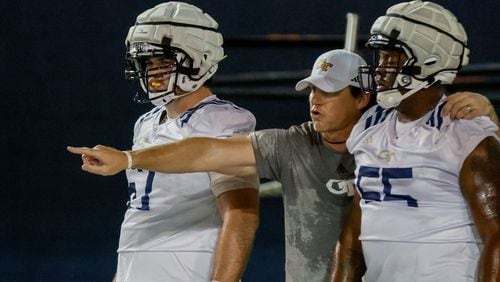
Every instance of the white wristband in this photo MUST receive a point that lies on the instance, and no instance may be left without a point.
(129, 159)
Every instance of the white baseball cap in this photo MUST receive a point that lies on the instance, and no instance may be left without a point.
(333, 71)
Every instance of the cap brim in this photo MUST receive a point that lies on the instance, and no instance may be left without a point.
(321, 83)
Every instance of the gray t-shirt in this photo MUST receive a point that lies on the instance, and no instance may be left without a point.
(315, 180)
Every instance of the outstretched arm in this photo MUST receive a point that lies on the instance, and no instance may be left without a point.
(467, 105)
(480, 184)
(348, 264)
(240, 214)
(233, 155)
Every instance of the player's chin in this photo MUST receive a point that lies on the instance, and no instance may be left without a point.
(157, 90)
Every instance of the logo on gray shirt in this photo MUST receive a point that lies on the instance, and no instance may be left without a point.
(339, 187)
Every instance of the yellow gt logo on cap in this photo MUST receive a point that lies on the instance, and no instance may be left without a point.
(324, 66)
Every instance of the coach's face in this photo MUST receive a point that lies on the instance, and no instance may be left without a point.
(334, 113)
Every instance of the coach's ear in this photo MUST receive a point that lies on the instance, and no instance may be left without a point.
(363, 101)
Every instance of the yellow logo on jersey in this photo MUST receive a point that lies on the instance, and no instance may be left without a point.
(324, 65)
(385, 155)
(368, 140)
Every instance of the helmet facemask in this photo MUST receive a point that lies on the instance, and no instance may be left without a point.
(158, 70)
(432, 39)
(393, 76)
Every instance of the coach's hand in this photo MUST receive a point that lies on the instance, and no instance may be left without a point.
(467, 105)
(101, 160)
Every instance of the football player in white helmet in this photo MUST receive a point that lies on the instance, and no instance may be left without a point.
(189, 44)
(310, 160)
(429, 185)
(420, 64)
(172, 230)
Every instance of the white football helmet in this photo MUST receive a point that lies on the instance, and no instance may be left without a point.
(434, 42)
(179, 32)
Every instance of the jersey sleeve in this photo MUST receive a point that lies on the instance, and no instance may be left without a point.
(467, 134)
(222, 120)
(371, 117)
(268, 146)
(221, 183)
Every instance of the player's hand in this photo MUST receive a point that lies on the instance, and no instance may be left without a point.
(467, 105)
(101, 160)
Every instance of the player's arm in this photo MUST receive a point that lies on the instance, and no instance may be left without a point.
(467, 105)
(480, 184)
(239, 210)
(348, 263)
(232, 155)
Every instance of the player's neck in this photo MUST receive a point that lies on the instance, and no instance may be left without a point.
(182, 104)
(419, 104)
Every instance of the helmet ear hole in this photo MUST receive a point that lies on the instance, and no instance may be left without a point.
(431, 61)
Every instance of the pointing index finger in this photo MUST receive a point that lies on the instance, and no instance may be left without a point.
(78, 150)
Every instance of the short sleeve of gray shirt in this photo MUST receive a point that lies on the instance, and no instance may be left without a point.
(317, 187)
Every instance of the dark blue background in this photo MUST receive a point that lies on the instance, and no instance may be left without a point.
(62, 83)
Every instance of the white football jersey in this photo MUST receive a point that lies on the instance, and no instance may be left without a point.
(177, 212)
(408, 175)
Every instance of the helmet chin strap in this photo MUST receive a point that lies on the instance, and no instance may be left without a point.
(392, 97)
